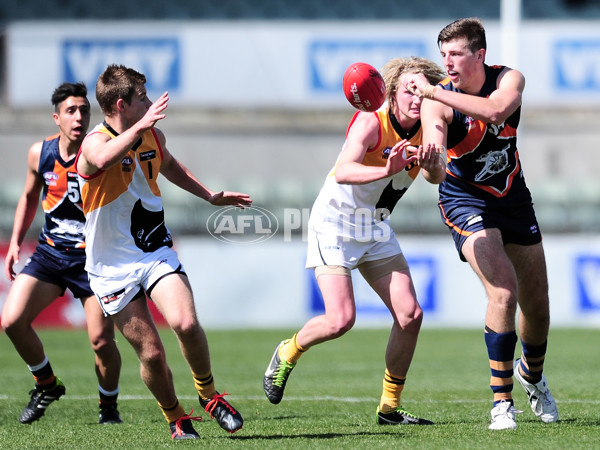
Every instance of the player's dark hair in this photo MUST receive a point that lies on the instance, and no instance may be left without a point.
(66, 90)
(470, 29)
(116, 82)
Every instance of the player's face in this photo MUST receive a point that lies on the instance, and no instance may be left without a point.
(460, 63)
(139, 106)
(407, 105)
(73, 118)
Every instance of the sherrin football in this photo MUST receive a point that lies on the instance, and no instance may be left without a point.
(363, 86)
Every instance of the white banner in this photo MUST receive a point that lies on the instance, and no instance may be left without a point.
(265, 285)
(278, 64)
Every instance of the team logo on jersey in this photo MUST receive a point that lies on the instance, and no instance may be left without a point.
(50, 178)
(386, 152)
(126, 164)
(494, 162)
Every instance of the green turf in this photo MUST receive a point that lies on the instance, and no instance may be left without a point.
(330, 399)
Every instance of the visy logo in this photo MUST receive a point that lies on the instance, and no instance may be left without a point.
(242, 226)
(159, 58)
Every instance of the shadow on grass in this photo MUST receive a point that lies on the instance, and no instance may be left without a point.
(273, 437)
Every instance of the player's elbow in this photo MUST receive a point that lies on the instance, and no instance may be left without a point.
(498, 113)
(101, 163)
(497, 118)
(342, 175)
(340, 179)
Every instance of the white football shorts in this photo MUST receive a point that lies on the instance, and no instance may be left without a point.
(114, 293)
(331, 249)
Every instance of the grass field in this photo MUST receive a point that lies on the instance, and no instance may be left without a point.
(330, 399)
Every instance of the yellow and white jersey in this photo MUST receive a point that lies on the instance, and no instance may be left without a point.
(123, 209)
(354, 209)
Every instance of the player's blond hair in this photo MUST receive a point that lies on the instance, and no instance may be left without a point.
(395, 68)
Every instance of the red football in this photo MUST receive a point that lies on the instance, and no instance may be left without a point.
(363, 86)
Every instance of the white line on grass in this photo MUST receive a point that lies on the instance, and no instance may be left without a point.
(298, 399)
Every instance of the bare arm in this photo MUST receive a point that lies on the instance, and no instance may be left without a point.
(493, 109)
(26, 210)
(362, 136)
(432, 159)
(435, 118)
(181, 176)
(100, 152)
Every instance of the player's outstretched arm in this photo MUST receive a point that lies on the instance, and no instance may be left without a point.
(181, 176)
(493, 109)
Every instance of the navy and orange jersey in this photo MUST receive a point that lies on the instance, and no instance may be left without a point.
(62, 233)
(483, 164)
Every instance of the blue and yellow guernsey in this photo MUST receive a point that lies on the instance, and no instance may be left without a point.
(63, 232)
(483, 164)
(123, 209)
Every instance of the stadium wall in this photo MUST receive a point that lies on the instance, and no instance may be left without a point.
(280, 64)
(265, 285)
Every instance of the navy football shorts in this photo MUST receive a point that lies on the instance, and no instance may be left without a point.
(60, 272)
(517, 224)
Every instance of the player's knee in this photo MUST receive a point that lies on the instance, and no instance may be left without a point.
(152, 357)
(184, 325)
(102, 338)
(505, 299)
(339, 325)
(412, 323)
(102, 344)
(12, 326)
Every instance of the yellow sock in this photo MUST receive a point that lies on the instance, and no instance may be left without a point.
(290, 351)
(392, 390)
(205, 385)
(174, 412)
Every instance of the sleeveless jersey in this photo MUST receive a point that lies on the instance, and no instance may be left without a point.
(62, 234)
(350, 207)
(123, 209)
(483, 166)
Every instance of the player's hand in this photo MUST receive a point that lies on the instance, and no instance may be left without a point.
(419, 85)
(12, 258)
(432, 157)
(155, 112)
(400, 156)
(226, 198)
